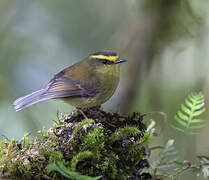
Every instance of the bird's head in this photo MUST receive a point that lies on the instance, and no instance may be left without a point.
(106, 57)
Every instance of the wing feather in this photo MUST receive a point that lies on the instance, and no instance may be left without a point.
(62, 86)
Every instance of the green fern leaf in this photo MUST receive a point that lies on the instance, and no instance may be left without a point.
(199, 112)
(63, 170)
(182, 116)
(188, 103)
(183, 123)
(178, 129)
(185, 109)
(197, 126)
(198, 121)
(199, 106)
(187, 117)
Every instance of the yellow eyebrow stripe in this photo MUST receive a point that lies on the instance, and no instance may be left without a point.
(110, 58)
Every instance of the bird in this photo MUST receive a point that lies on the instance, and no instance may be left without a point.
(86, 84)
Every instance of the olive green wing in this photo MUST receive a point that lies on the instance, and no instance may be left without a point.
(63, 86)
(60, 86)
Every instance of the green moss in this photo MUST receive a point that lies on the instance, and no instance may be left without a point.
(81, 156)
(107, 144)
(127, 131)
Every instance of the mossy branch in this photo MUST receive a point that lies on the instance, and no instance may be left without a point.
(106, 145)
(125, 131)
(84, 124)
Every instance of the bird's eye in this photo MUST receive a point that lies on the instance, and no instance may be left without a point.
(104, 61)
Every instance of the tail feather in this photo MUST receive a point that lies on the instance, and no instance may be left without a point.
(30, 99)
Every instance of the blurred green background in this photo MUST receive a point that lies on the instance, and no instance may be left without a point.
(166, 44)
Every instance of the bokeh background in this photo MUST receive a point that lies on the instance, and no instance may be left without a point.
(166, 44)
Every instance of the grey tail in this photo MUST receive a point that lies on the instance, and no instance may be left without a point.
(30, 99)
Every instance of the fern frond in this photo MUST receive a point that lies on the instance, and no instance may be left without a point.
(187, 117)
(166, 164)
(64, 171)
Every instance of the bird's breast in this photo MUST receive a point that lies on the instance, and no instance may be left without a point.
(108, 79)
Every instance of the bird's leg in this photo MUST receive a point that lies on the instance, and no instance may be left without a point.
(92, 109)
(83, 114)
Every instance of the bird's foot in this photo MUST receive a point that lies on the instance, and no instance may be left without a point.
(84, 115)
(89, 111)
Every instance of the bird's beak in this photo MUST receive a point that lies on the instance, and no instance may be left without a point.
(120, 61)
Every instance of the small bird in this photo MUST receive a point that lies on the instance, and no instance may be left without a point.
(88, 83)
